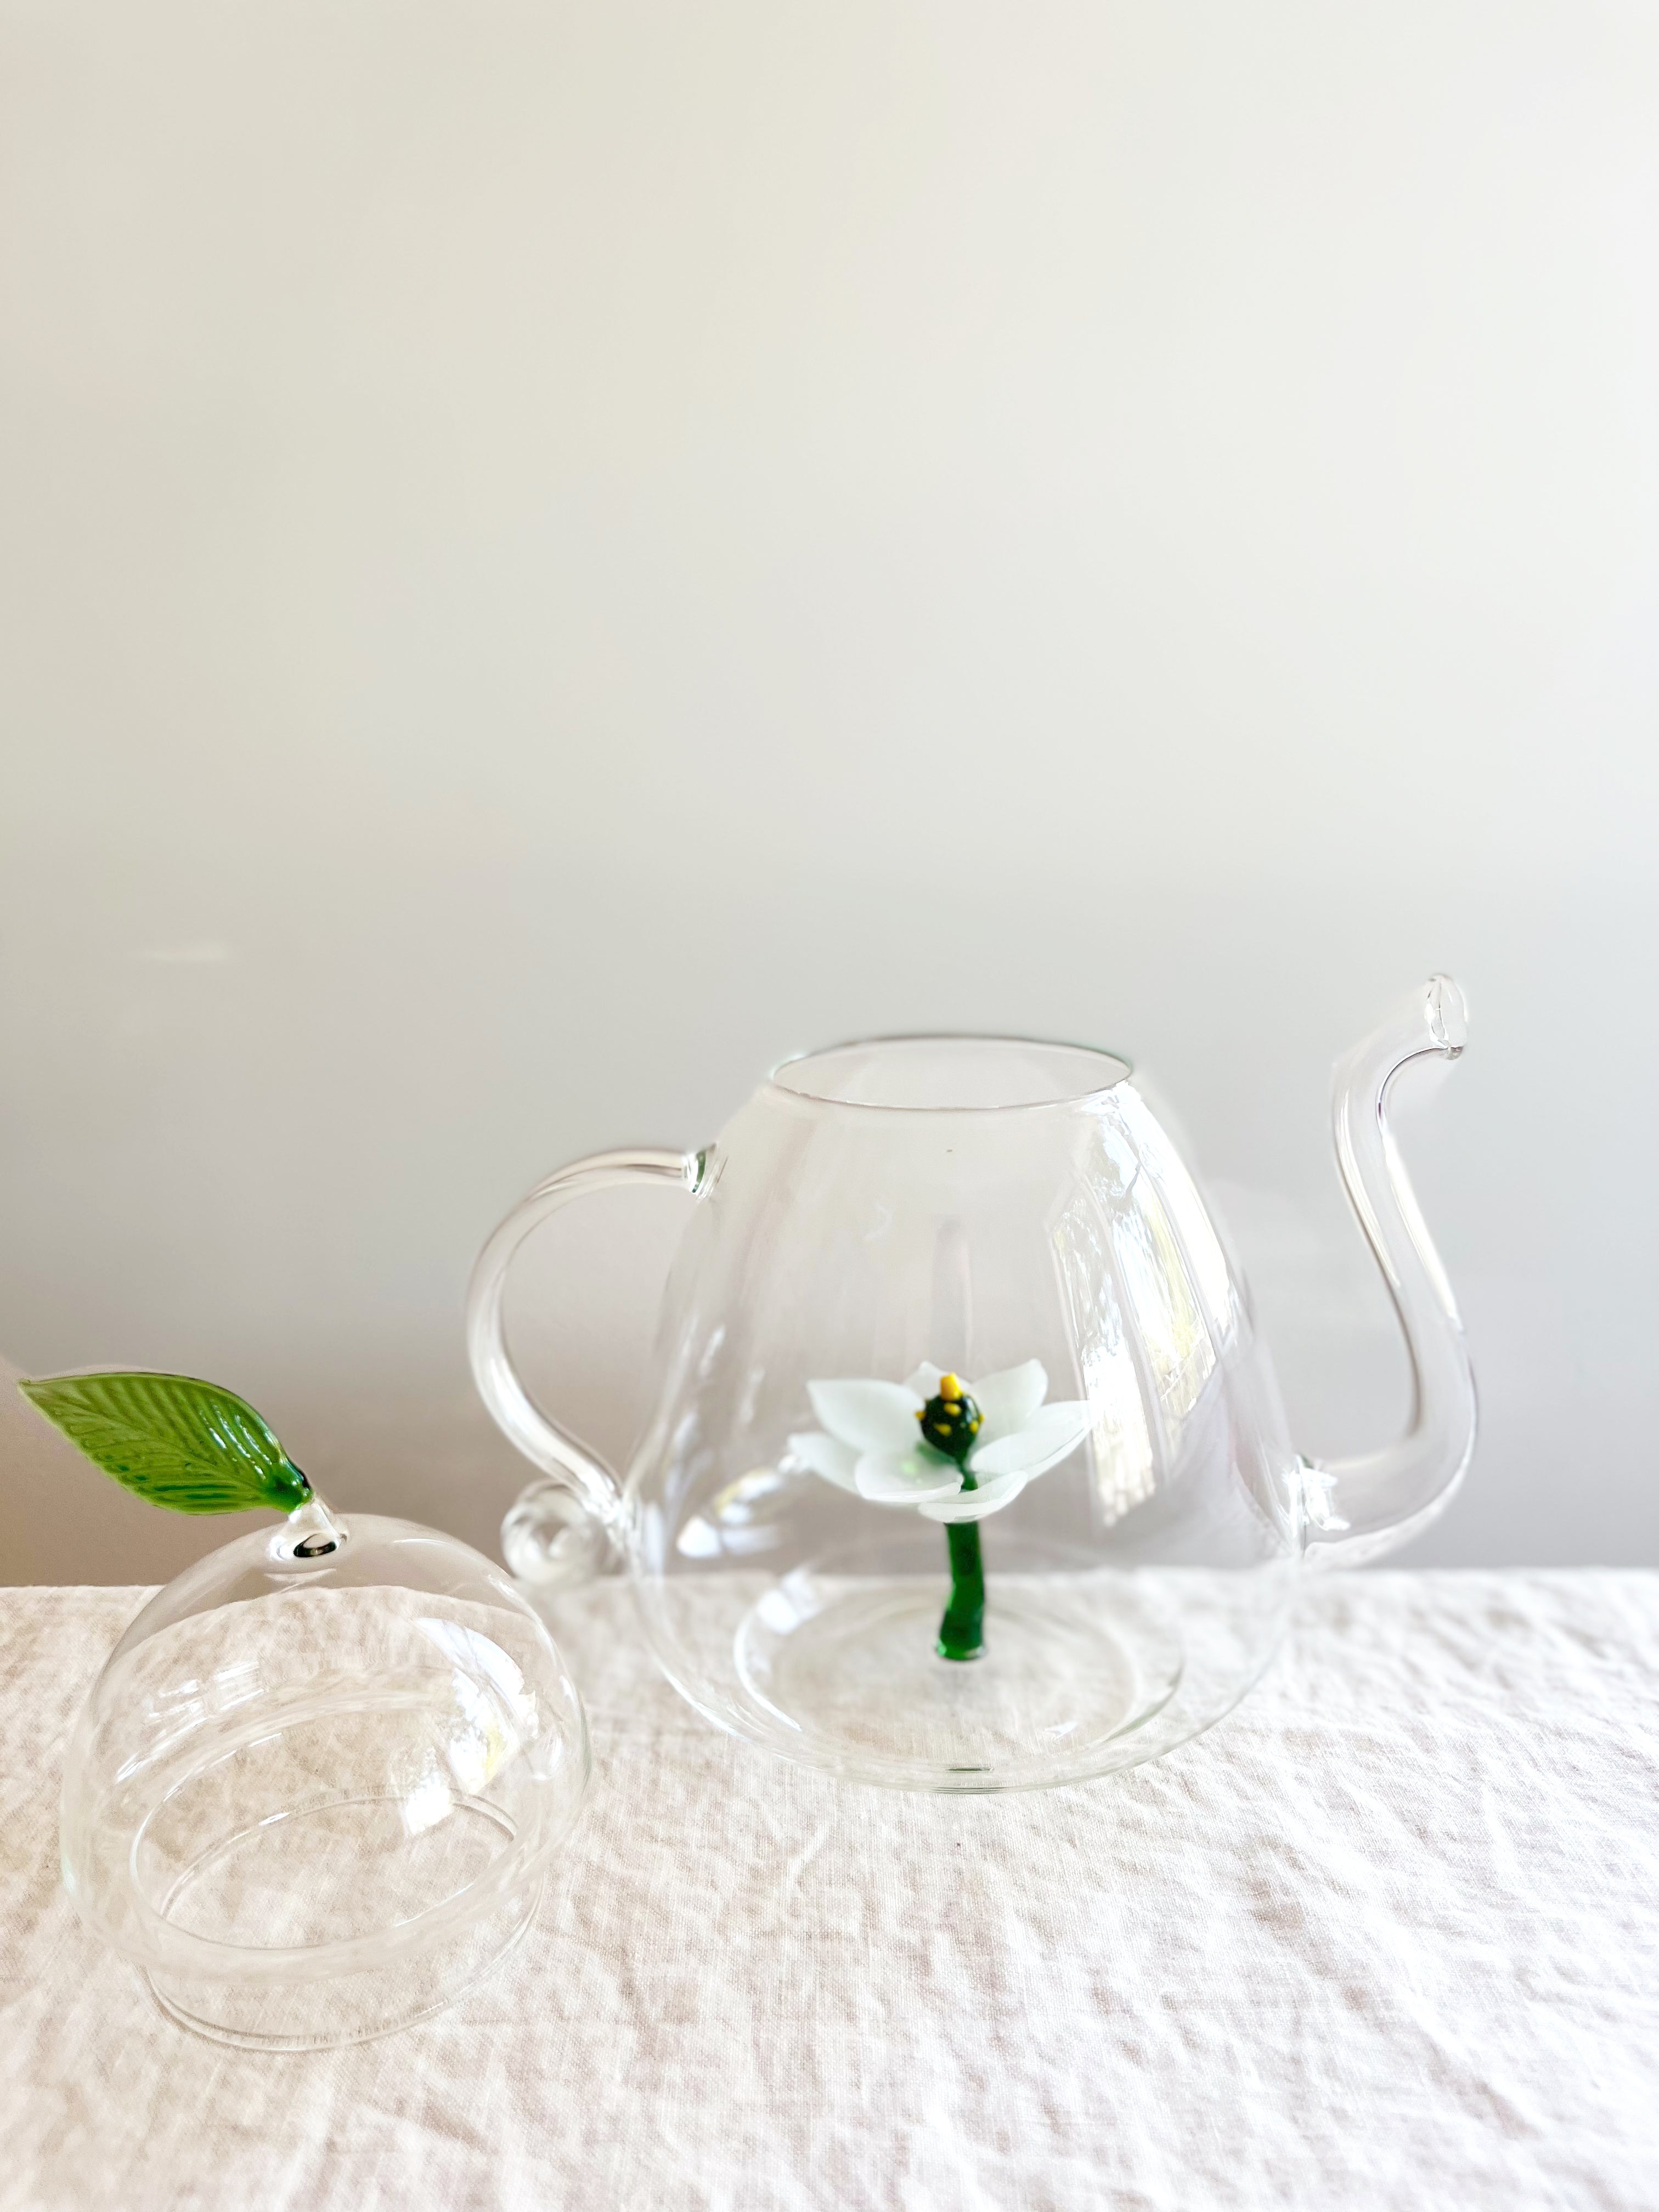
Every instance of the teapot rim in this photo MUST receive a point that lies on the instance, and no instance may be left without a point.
(1064, 1099)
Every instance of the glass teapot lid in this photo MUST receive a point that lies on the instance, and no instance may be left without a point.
(316, 1790)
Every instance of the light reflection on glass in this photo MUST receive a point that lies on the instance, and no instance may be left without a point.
(1205, 1257)
(1157, 1287)
(1124, 1471)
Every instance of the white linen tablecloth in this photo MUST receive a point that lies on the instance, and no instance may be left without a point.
(1389, 1936)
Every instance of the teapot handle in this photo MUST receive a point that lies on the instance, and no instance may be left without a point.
(560, 1527)
(1357, 1509)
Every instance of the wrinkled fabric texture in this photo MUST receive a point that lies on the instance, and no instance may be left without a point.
(1388, 1936)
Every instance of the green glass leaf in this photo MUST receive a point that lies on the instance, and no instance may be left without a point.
(173, 1440)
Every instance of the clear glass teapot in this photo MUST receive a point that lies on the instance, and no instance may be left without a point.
(967, 1469)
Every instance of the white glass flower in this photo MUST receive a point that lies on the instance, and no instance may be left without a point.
(871, 1441)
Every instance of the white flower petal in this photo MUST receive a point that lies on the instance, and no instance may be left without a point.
(880, 1416)
(826, 1455)
(906, 1478)
(1045, 1439)
(974, 1505)
(1008, 1400)
(925, 1381)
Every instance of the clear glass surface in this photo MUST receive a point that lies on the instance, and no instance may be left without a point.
(967, 1469)
(315, 1791)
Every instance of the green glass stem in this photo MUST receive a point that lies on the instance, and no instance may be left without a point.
(962, 1631)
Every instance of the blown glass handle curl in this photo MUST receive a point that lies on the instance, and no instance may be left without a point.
(1358, 1509)
(557, 1532)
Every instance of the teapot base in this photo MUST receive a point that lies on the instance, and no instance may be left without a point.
(858, 1680)
(1086, 1669)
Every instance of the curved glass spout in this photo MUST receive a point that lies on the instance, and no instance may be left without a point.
(1359, 1508)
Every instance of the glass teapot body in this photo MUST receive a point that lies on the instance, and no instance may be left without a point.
(952, 1337)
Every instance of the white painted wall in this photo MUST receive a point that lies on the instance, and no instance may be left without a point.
(549, 555)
